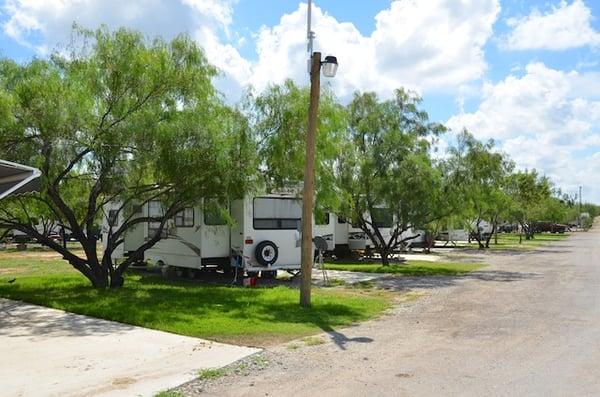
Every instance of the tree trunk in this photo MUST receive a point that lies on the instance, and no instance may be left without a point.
(430, 240)
(116, 281)
(489, 237)
(385, 260)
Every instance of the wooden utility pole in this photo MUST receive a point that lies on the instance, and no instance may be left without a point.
(580, 206)
(309, 182)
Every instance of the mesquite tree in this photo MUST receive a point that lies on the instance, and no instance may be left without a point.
(388, 166)
(530, 192)
(483, 174)
(117, 119)
(278, 118)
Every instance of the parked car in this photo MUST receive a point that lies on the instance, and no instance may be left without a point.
(507, 228)
(549, 227)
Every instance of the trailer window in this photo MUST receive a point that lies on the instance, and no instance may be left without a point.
(276, 213)
(185, 218)
(382, 217)
(155, 210)
(341, 220)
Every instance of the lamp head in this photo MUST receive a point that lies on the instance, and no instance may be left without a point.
(329, 66)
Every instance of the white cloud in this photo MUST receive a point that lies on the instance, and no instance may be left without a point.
(543, 120)
(566, 26)
(42, 24)
(425, 45)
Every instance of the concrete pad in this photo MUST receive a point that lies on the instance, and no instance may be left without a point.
(347, 277)
(47, 352)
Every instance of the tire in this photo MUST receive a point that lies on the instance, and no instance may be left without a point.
(266, 253)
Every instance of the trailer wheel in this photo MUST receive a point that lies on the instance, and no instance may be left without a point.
(266, 253)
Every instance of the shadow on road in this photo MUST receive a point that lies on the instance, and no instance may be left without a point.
(413, 283)
(342, 340)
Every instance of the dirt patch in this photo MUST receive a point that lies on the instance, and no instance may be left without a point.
(10, 270)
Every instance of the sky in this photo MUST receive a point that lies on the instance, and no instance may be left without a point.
(523, 72)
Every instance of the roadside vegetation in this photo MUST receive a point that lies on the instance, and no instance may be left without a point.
(139, 120)
(251, 316)
(410, 268)
(512, 241)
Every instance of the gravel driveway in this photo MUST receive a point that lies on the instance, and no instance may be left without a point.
(529, 324)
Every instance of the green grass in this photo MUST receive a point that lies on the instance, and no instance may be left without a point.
(168, 393)
(510, 241)
(410, 268)
(254, 316)
(313, 340)
(211, 373)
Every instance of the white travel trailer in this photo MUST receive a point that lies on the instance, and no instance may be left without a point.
(350, 238)
(325, 226)
(484, 227)
(265, 236)
(346, 237)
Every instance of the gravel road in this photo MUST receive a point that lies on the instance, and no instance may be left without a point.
(528, 324)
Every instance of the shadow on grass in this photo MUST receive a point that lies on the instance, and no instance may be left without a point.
(215, 312)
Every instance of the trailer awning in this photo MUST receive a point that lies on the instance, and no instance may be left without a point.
(18, 179)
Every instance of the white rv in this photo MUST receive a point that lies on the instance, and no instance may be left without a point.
(350, 238)
(346, 237)
(265, 236)
(325, 226)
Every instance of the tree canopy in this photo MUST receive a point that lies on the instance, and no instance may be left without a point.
(388, 166)
(118, 119)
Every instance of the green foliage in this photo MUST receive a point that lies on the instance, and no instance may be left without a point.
(278, 118)
(121, 119)
(481, 175)
(531, 194)
(211, 373)
(386, 164)
(168, 393)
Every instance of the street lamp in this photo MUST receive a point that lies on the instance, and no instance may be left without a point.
(329, 67)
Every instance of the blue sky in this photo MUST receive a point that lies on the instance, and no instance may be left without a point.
(524, 72)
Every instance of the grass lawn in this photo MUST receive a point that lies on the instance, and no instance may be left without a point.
(253, 316)
(510, 241)
(410, 268)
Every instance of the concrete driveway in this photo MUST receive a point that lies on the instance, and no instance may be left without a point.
(46, 352)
